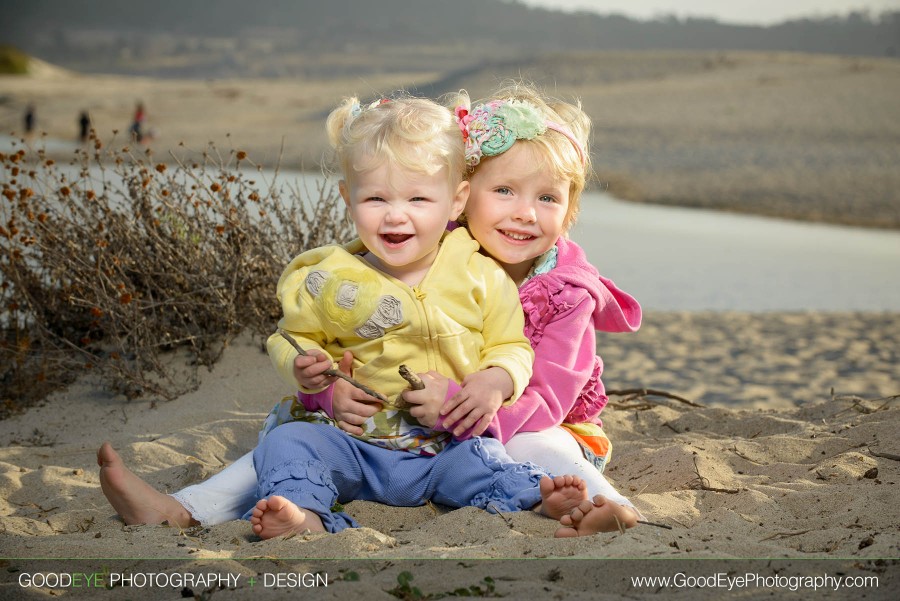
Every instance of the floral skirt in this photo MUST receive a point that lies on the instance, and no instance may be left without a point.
(594, 443)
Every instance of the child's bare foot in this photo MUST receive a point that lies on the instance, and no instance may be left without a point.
(134, 500)
(599, 515)
(276, 516)
(560, 495)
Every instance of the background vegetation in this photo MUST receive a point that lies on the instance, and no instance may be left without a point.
(12, 61)
(113, 260)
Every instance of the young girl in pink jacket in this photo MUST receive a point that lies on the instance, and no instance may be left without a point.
(524, 196)
(528, 164)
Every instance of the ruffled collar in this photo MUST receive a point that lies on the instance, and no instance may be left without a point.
(543, 263)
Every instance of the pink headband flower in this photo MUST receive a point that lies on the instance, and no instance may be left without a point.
(493, 127)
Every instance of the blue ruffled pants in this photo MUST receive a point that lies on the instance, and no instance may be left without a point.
(315, 465)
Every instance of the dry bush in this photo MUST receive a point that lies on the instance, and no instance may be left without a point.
(113, 260)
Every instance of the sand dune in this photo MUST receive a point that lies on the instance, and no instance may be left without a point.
(811, 480)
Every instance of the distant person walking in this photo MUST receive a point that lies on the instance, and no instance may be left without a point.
(84, 126)
(137, 124)
(29, 119)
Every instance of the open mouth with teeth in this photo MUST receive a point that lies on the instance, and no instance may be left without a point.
(517, 236)
(395, 238)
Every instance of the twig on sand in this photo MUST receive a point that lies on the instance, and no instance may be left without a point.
(497, 512)
(858, 402)
(884, 455)
(637, 393)
(636, 406)
(743, 456)
(785, 535)
(646, 523)
(334, 372)
(432, 507)
(701, 483)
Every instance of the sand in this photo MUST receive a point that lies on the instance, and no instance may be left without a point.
(814, 479)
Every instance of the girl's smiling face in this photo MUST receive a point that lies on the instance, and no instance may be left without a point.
(400, 216)
(517, 208)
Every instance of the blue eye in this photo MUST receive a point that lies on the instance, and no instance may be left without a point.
(503, 190)
(547, 198)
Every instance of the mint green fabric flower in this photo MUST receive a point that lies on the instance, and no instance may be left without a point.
(522, 119)
(493, 128)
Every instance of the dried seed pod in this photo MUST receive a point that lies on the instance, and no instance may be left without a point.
(415, 382)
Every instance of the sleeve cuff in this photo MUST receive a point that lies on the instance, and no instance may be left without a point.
(316, 401)
(452, 389)
(520, 372)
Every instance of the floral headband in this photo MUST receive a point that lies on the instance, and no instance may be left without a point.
(492, 128)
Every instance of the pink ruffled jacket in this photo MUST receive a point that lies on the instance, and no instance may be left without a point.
(563, 309)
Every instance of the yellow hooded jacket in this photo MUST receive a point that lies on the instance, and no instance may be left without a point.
(464, 316)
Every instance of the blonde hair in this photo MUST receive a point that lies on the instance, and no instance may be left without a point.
(556, 149)
(414, 133)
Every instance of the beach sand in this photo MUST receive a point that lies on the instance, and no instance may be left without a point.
(814, 478)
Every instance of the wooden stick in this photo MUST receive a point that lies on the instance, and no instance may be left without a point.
(619, 524)
(784, 535)
(702, 483)
(334, 372)
(885, 455)
(642, 392)
(646, 523)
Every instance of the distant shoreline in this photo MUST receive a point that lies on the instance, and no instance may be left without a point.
(805, 137)
(63, 150)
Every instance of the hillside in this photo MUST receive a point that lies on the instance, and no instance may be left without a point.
(278, 38)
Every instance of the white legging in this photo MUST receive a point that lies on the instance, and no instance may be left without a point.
(223, 497)
(557, 451)
(229, 494)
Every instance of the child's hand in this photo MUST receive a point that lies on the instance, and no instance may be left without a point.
(427, 403)
(350, 406)
(309, 370)
(479, 400)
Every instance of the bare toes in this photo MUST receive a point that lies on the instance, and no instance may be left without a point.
(565, 532)
(586, 506)
(576, 515)
(277, 503)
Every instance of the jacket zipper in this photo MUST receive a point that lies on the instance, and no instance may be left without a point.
(420, 295)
